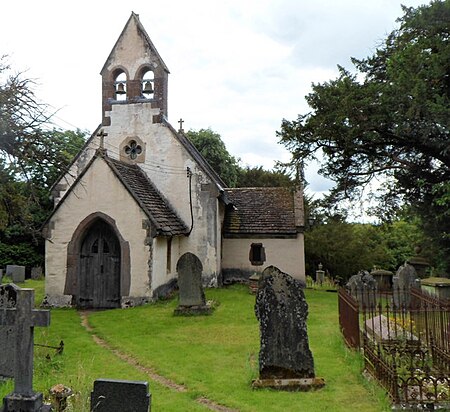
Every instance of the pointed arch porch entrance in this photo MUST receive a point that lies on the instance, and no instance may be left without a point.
(98, 270)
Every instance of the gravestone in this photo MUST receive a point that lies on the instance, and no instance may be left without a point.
(17, 321)
(1, 276)
(285, 360)
(36, 272)
(120, 396)
(192, 298)
(320, 274)
(16, 273)
(363, 287)
(403, 281)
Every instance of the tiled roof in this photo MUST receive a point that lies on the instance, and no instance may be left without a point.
(260, 210)
(151, 201)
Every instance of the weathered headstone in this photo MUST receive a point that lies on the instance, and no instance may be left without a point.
(403, 281)
(285, 360)
(36, 272)
(1, 276)
(17, 321)
(16, 273)
(120, 396)
(362, 287)
(192, 298)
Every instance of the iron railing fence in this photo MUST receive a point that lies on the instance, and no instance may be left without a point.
(405, 338)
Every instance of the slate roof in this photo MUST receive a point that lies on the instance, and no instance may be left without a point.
(156, 207)
(260, 211)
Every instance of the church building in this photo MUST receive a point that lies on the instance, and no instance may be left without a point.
(139, 195)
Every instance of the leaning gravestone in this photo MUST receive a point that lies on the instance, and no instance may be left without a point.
(120, 396)
(285, 360)
(192, 298)
(16, 273)
(17, 321)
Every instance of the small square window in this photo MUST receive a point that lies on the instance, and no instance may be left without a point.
(257, 254)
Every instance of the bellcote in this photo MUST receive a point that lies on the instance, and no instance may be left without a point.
(134, 72)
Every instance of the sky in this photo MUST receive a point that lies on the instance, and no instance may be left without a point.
(238, 67)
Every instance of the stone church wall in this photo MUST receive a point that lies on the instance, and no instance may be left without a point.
(285, 254)
(98, 186)
(166, 160)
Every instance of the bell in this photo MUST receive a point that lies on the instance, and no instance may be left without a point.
(148, 89)
(120, 89)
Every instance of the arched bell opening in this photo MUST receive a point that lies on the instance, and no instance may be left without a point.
(148, 84)
(120, 86)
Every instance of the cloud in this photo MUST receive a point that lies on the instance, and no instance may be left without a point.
(237, 66)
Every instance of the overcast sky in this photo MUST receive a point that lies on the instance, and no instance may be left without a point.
(237, 66)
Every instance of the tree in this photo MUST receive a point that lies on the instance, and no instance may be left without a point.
(389, 120)
(25, 203)
(22, 120)
(32, 155)
(213, 149)
(257, 176)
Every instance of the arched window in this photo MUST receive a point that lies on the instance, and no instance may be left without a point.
(148, 84)
(120, 86)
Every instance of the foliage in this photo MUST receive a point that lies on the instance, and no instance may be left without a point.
(32, 156)
(257, 176)
(344, 248)
(390, 120)
(213, 149)
(213, 356)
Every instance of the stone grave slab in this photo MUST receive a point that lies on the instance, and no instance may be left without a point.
(192, 298)
(285, 360)
(120, 396)
(16, 273)
(380, 329)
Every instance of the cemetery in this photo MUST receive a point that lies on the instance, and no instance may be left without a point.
(135, 277)
(212, 357)
(403, 333)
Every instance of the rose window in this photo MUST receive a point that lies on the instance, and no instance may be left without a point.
(133, 150)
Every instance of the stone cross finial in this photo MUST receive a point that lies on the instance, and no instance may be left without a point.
(181, 121)
(102, 136)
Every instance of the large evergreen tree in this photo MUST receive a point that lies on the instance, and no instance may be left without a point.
(389, 120)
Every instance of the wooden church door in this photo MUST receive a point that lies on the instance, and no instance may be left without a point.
(100, 268)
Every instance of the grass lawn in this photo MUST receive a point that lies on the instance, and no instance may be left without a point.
(214, 356)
